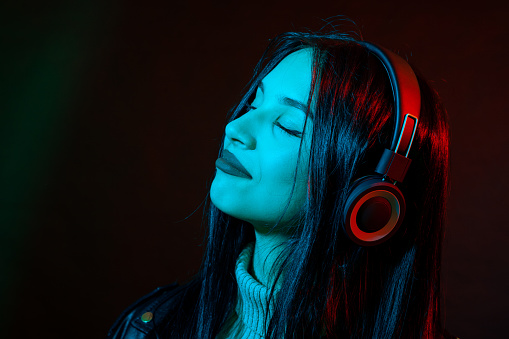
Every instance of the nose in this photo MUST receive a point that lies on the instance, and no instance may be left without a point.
(240, 132)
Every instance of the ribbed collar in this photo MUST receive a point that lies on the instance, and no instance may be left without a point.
(252, 296)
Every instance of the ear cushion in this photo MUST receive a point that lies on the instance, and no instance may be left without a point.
(374, 211)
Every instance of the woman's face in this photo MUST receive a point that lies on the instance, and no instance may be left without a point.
(266, 142)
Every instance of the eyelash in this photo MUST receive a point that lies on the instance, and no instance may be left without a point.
(291, 132)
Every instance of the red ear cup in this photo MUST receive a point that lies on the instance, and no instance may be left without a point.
(373, 212)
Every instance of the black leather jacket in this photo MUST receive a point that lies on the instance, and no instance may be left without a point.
(140, 319)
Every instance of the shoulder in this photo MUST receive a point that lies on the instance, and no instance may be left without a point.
(140, 319)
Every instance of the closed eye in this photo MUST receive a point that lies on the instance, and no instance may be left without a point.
(289, 131)
(292, 132)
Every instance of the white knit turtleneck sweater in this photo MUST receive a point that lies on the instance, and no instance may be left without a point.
(247, 322)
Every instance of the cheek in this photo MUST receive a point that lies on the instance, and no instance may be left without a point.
(280, 176)
(278, 170)
(263, 199)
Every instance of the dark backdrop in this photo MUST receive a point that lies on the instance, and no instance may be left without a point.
(110, 119)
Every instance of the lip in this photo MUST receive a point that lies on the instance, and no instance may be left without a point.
(229, 163)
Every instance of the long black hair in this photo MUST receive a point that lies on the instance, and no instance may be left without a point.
(332, 287)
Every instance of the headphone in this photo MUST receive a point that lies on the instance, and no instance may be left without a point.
(375, 207)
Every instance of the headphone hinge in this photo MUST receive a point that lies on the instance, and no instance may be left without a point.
(393, 165)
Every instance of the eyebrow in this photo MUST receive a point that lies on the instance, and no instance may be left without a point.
(293, 103)
(290, 102)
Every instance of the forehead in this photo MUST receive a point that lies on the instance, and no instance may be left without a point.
(292, 76)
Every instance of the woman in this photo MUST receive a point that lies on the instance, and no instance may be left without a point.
(289, 252)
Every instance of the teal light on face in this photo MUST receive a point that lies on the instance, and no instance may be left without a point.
(266, 140)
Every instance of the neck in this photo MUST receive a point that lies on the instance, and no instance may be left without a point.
(268, 247)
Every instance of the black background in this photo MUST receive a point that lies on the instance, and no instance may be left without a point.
(110, 120)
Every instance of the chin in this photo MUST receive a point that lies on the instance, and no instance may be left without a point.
(260, 214)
